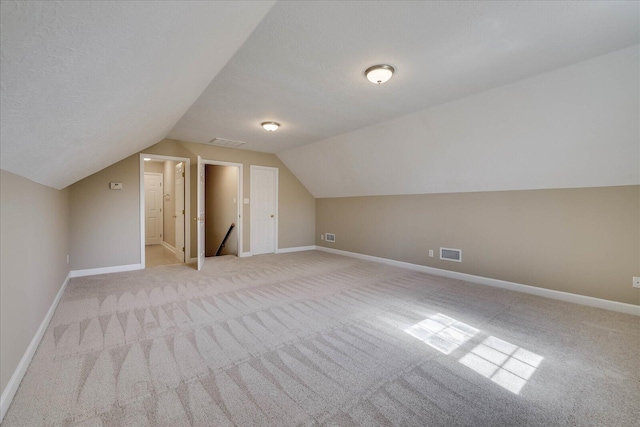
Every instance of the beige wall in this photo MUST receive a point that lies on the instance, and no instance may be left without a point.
(169, 233)
(34, 237)
(105, 224)
(584, 241)
(154, 167)
(221, 207)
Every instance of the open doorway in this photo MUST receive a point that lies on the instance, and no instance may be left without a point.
(164, 205)
(219, 206)
(221, 210)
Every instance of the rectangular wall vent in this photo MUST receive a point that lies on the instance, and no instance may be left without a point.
(330, 237)
(226, 142)
(451, 254)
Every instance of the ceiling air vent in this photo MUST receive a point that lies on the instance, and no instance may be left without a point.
(226, 142)
(451, 254)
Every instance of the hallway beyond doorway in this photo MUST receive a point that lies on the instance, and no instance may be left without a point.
(156, 255)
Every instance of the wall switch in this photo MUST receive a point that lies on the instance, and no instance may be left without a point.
(322, 237)
(636, 282)
(431, 253)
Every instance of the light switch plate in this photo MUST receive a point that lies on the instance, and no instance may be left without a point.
(636, 282)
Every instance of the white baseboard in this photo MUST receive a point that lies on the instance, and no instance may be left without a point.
(533, 290)
(105, 270)
(245, 254)
(14, 382)
(168, 246)
(295, 249)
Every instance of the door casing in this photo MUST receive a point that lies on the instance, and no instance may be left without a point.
(201, 164)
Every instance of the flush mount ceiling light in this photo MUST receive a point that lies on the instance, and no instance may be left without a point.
(270, 126)
(379, 74)
(146, 159)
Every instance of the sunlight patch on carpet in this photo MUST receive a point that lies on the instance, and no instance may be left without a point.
(441, 332)
(504, 363)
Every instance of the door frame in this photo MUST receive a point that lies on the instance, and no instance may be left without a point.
(240, 200)
(275, 195)
(161, 206)
(187, 203)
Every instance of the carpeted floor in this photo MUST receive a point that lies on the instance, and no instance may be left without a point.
(311, 338)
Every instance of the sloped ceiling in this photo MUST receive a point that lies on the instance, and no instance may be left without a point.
(578, 126)
(303, 66)
(86, 84)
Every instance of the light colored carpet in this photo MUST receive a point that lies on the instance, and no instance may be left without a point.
(317, 339)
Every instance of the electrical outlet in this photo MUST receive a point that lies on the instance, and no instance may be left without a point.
(322, 237)
(431, 253)
(636, 282)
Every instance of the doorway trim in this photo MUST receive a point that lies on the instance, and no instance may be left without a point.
(240, 199)
(187, 203)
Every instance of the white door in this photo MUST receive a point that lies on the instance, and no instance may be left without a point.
(200, 213)
(179, 212)
(264, 209)
(153, 208)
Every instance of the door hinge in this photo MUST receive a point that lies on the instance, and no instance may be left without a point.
(183, 174)
(160, 184)
(183, 249)
(182, 211)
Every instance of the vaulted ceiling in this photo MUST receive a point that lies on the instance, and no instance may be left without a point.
(304, 64)
(88, 83)
(85, 84)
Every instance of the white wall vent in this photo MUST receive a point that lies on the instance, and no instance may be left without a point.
(451, 254)
(330, 237)
(226, 142)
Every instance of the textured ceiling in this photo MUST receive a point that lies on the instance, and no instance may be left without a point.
(303, 65)
(86, 84)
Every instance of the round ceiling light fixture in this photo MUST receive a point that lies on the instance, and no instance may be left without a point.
(270, 126)
(379, 74)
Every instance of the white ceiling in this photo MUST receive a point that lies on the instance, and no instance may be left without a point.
(578, 126)
(86, 84)
(303, 65)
